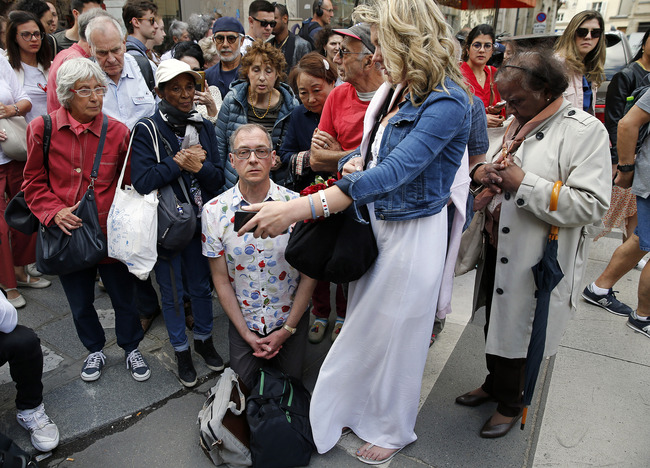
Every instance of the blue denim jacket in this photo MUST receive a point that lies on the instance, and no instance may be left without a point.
(421, 151)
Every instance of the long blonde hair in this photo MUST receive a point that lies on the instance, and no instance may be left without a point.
(417, 43)
(593, 65)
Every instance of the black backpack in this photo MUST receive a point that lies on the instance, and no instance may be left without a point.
(631, 101)
(143, 63)
(277, 411)
(306, 29)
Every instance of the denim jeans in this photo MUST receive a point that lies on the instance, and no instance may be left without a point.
(197, 279)
(22, 350)
(79, 288)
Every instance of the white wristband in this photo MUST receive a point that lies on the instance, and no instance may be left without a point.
(323, 200)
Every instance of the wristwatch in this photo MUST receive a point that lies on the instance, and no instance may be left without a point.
(625, 167)
(291, 330)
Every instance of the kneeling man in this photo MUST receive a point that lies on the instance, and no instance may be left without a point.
(264, 297)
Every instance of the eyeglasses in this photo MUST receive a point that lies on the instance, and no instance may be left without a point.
(219, 39)
(265, 24)
(86, 92)
(151, 20)
(582, 33)
(479, 45)
(343, 51)
(28, 36)
(261, 152)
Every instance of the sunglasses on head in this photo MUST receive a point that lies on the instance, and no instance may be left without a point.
(264, 24)
(582, 32)
(219, 39)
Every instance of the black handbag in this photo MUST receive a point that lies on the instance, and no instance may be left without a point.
(58, 253)
(18, 215)
(337, 249)
(176, 219)
(277, 411)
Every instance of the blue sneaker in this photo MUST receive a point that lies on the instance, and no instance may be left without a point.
(92, 368)
(139, 367)
(607, 301)
(639, 326)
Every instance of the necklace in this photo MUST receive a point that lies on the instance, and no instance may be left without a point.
(250, 100)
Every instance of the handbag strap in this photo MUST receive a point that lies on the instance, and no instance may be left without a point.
(98, 154)
(47, 136)
(128, 152)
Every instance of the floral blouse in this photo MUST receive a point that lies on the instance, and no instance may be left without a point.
(264, 283)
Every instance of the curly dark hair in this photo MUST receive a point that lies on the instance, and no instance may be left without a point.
(537, 71)
(268, 54)
(17, 18)
(322, 38)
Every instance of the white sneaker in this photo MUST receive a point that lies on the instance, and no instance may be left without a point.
(43, 432)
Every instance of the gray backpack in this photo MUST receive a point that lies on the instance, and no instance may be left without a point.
(224, 432)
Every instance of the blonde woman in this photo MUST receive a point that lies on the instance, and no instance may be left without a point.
(370, 381)
(582, 47)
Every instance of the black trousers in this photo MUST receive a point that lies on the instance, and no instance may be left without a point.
(22, 350)
(505, 379)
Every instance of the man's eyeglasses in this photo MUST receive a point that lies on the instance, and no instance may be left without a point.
(343, 51)
(261, 152)
(329, 10)
(480, 45)
(264, 23)
(582, 33)
(151, 20)
(219, 39)
(28, 36)
(86, 92)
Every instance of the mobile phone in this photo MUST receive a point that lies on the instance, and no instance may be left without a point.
(499, 105)
(242, 217)
(200, 86)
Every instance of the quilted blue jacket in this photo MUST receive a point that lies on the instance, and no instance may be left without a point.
(234, 113)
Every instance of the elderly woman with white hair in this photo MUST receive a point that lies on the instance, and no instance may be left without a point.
(55, 183)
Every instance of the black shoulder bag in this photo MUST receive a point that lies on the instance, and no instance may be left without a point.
(58, 253)
(18, 215)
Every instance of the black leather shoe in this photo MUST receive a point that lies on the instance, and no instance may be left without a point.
(473, 400)
(489, 431)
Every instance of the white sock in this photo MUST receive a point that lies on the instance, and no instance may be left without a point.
(599, 291)
(641, 317)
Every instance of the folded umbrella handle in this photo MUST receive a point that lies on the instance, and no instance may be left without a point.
(555, 195)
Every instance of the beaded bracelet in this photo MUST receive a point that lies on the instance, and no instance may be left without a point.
(17, 110)
(323, 200)
(311, 205)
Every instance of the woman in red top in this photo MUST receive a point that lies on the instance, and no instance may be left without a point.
(479, 76)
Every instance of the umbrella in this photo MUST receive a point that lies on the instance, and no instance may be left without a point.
(547, 275)
(488, 4)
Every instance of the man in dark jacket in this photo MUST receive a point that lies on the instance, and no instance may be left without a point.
(292, 46)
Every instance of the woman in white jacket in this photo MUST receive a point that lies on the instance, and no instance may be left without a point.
(549, 140)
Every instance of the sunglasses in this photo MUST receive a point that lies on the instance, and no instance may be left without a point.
(582, 33)
(219, 39)
(264, 24)
(151, 20)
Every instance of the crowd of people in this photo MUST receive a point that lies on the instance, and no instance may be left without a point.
(418, 128)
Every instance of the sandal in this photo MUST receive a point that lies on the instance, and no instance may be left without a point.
(370, 461)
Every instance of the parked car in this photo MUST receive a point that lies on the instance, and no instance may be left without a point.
(619, 54)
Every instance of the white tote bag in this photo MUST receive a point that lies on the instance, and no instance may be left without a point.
(132, 227)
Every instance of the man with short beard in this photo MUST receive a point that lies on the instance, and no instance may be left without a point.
(227, 34)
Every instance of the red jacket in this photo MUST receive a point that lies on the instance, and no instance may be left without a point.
(70, 163)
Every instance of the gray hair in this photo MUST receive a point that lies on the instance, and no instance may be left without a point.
(198, 25)
(85, 18)
(100, 24)
(74, 70)
(176, 28)
(209, 49)
(248, 128)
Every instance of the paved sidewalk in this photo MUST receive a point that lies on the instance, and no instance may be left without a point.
(589, 408)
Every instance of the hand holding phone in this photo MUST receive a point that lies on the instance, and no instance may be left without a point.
(495, 109)
(242, 217)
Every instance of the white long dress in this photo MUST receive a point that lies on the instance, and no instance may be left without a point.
(371, 378)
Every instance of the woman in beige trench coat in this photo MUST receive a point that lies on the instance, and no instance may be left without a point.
(549, 140)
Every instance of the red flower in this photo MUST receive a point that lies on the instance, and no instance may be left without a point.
(262, 264)
(239, 268)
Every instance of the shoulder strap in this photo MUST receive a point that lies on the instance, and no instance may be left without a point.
(100, 149)
(47, 136)
(145, 69)
(380, 116)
